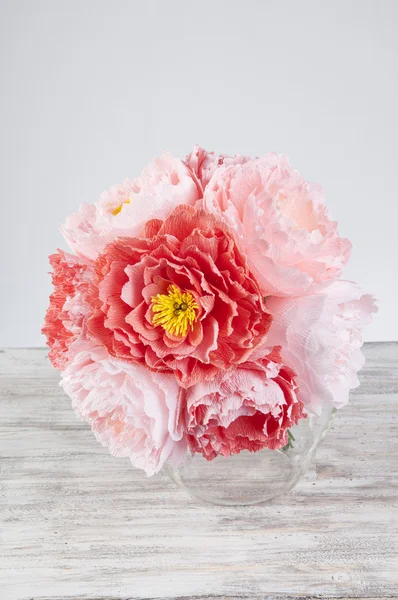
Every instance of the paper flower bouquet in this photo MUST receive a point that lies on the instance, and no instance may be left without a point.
(201, 309)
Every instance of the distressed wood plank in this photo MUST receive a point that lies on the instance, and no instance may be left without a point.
(78, 523)
(212, 597)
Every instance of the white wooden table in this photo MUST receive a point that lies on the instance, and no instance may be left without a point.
(78, 523)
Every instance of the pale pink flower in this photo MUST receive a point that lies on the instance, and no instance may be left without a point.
(124, 209)
(281, 223)
(320, 338)
(250, 408)
(131, 410)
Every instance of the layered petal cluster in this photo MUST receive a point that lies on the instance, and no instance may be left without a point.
(189, 253)
(124, 209)
(251, 408)
(203, 310)
(132, 411)
(281, 223)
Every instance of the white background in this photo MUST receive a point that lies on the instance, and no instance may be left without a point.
(91, 90)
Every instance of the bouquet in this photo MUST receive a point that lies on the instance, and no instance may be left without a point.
(201, 310)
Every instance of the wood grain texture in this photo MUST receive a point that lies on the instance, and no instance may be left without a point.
(77, 523)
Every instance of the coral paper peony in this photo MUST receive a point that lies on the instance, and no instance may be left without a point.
(201, 310)
(180, 299)
(69, 309)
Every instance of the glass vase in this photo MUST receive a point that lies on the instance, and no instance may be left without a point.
(253, 477)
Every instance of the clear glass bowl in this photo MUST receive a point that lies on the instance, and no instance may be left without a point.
(253, 477)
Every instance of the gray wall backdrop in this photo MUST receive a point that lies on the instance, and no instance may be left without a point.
(91, 90)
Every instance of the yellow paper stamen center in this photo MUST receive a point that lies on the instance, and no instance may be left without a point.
(175, 312)
(117, 210)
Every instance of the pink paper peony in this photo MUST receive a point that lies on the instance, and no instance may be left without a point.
(280, 222)
(251, 408)
(320, 338)
(132, 411)
(124, 209)
(179, 299)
